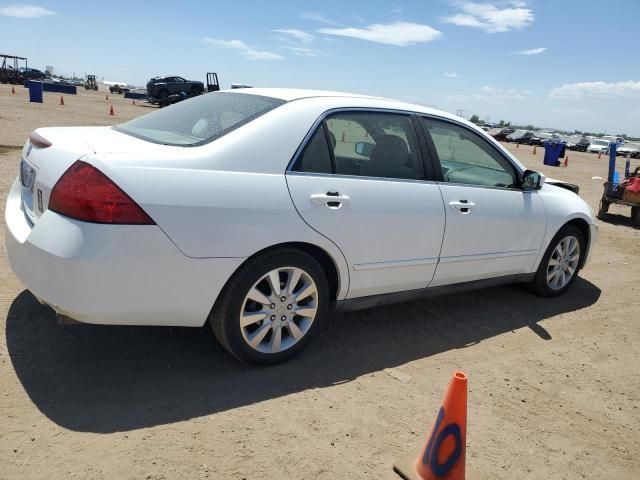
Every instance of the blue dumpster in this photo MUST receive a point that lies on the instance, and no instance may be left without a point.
(553, 152)
(35, 91)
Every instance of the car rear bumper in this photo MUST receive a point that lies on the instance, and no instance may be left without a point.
(111, 274)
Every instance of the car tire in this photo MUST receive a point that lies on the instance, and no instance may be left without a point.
(163, 94)
(196, 90)
(558, 268)
(259, 325)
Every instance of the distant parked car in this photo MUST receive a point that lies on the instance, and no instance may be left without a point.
(500, 133)
(631, 149)
(159, 89)
(32, 73)
(520, 136)
(577, 143)
(540, 137)
(118, 89)
(598, 146)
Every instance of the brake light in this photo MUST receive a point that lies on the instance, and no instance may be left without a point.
(38, 140)
(85, 193)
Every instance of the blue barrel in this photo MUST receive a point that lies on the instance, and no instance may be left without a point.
(35, 92)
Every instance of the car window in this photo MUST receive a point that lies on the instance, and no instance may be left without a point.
(375, 144)
(467, 158)
(199, 120)
(315, 157)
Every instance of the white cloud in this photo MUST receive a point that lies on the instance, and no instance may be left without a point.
(400, 34)
(398, 11)
(498, 95)
(492, 17)
(304, 52)
(629, 89)
(25, 11)
(451, 74)
(244, 49)
(532, 51)
(304, 37)
(317, 17)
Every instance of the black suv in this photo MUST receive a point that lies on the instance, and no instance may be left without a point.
(159, 89)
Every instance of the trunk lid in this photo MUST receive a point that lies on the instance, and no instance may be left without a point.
(41, 168)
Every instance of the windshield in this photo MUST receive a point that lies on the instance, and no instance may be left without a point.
(518, 132)
(603, 143)
(199, 120)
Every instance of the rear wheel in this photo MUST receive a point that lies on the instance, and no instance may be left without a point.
(561, 262)
(271, 307)
(196, 90)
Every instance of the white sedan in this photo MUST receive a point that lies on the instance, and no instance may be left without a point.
(262, 210)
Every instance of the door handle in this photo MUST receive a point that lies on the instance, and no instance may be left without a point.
(330, 199)
(463, 206)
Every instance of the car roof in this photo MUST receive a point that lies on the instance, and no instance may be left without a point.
(350, 100)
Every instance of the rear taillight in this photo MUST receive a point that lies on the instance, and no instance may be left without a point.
(85, 193)
(38, 140)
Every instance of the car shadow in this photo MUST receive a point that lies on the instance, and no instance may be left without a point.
(106, 379)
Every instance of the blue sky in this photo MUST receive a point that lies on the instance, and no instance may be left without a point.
(566, 64)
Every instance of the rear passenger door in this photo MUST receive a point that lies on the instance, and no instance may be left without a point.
(360, 180)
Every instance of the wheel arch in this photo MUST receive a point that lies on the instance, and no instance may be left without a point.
(326, 261)
(583, 226)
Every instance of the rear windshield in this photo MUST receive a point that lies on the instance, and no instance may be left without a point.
(199, 120)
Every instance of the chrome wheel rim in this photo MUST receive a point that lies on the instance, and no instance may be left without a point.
(563, 263)
(278, 310)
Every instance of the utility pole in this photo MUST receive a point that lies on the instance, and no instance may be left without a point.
(459, 112)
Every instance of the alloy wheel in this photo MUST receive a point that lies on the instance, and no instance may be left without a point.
(279, 310)
(563, 263)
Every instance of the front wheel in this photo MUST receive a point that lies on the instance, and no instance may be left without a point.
(271, 307)
(561, 262)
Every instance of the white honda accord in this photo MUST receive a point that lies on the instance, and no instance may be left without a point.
(262, 210)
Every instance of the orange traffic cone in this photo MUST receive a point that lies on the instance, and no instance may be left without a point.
(443, 456)
(106, 98)
(111, 112)
(61, 100)
(517, 145)
(534, 149)
(566, 161)
(133, 102)
(599, 155)
(13, 90)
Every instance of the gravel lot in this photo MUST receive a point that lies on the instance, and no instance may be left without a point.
(554, 383)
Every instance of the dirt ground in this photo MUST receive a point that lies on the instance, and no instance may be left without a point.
(554, 384)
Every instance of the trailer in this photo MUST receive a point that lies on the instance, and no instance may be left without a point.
(10, 69)
(614, 194)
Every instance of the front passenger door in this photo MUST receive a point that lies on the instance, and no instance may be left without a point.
(493, 228)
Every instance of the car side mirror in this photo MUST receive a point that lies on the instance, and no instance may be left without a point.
(364, 148)
(532, 180)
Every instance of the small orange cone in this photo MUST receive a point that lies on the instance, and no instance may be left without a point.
(111, 112)
(61, 100)
(566, 161)
(534, 149)
(133, 102)
(599, 155)
(13, 90)
(106, 98)
(443, 456)
(517, 145)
